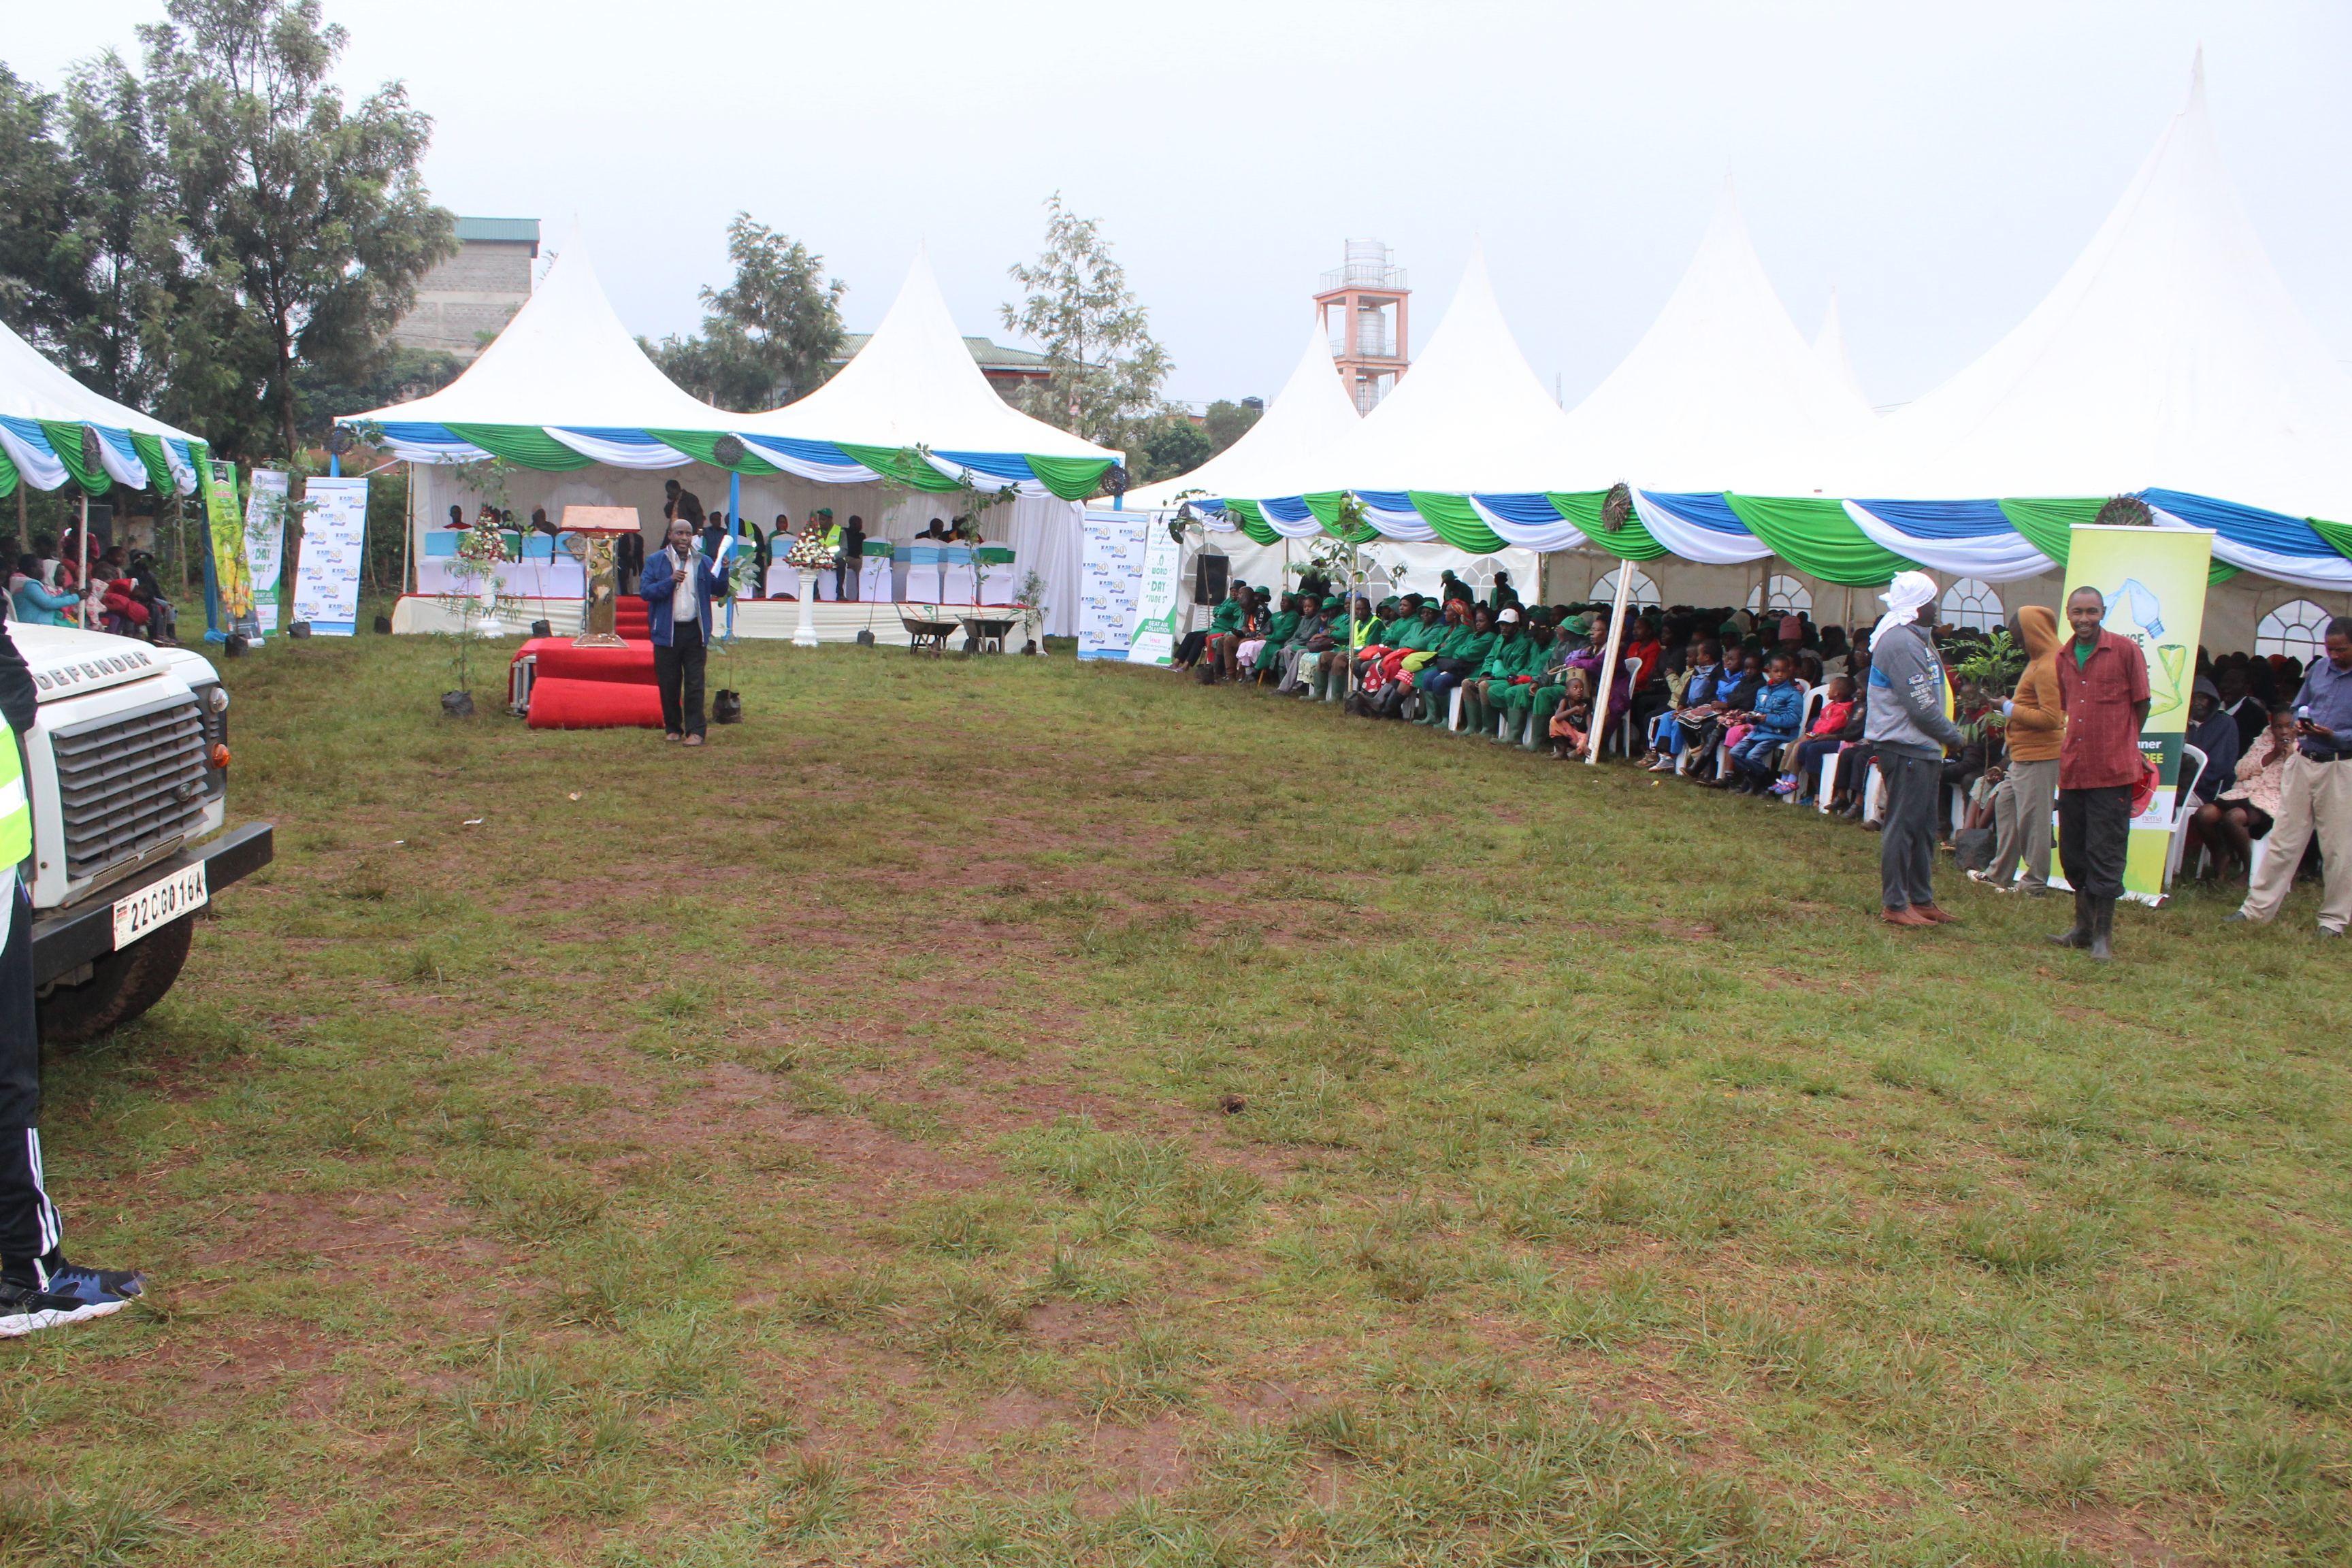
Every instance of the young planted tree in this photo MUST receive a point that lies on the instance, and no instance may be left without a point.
(1107, 368)
(767, 338)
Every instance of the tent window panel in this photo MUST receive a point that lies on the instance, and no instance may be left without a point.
(1644, 592)
(2297, 629)
(1970, 605)
(1783, 594)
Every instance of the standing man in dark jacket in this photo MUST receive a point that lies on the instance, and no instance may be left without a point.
(678, 587)
(1909, 731)
(851, 561)
(2102, 687)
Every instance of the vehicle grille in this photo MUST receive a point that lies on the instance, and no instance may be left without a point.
(128, 784)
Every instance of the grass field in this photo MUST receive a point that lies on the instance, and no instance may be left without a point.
(1024, 1112)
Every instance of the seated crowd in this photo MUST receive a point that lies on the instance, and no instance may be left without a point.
(123, 594)
(1724, 699)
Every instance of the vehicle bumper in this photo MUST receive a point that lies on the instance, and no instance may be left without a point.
(66, 939)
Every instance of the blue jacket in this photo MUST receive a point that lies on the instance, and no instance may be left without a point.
(37, 605)
(661, 577)
(1779, 709)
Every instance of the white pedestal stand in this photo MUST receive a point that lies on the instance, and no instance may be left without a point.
(804, 634)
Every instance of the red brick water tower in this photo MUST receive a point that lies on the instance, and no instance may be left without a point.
(1362, 304)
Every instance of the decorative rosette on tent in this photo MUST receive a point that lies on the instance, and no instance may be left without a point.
(54, 430)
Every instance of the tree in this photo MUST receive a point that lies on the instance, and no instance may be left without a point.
(41, 205)
(306, 225)
(1106, 367)
(767, 338)
(1227, 423)
(1171, 445)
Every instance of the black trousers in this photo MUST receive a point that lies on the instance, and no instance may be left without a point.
(2094, 837)
(845, 579)
(1907, 838)
(677, 670)
(29, 1229)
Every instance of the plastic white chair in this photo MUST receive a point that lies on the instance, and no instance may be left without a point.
(959, 578)
(999, 581)
(874, 579)
(1814, 696)
(1631, 670)
(2184, 808)
(1874, 796)
(1454, 707)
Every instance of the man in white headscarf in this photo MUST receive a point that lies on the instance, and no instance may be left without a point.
(1907, 723)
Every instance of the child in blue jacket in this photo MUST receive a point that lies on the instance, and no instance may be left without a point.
(1780, 714)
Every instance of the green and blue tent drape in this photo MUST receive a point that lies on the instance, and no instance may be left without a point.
(1855, 543)
(48, 454)
(560, 448)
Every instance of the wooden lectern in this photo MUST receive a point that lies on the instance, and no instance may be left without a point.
(596, 527)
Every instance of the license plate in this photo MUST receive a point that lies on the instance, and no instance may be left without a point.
(159, 904)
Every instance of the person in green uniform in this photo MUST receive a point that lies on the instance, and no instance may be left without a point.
(1354, 632)
(1515, 695)
(1478, 714)
(1543, 697)
(1314, 621)
(1225, 623)
(1278, 633)
(1458, 658)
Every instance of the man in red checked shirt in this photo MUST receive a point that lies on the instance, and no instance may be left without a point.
(2102, 687)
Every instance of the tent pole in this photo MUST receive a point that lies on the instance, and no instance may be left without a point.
(81, 586)
(1609, 667)
(24, 533)
(735, 531)
(409, 528)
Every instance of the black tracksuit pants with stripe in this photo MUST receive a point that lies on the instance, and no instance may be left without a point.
(29, 1229)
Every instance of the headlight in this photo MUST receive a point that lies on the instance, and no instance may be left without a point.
(216, 697)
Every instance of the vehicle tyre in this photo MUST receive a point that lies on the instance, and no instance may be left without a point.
(123, 986)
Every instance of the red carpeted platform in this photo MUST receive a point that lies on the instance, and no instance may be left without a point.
(595, 688)
(558, 702)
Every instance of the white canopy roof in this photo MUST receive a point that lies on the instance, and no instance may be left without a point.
(1469, 416)
(565, 359)
(2170, 354)
(1312, 410)
(915, 381)
(1722, 394)
(1830, 344)
(31, 387)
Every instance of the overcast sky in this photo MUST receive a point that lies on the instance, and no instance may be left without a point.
(1940, 164)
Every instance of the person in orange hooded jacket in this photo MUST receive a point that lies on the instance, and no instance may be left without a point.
(2023, 801)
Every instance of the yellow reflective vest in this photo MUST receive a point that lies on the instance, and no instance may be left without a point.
(15, 807)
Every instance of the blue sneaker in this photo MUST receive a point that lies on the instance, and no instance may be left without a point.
(107, 1288)
(24, 1310)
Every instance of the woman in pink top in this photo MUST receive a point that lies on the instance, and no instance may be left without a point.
(2232, 820)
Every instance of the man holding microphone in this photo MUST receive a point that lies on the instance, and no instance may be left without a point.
(678, 584)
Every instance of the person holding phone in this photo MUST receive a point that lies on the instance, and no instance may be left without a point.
(2315, 794)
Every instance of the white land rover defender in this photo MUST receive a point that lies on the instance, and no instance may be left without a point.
(128, 770)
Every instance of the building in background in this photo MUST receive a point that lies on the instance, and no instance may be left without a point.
(467, 300)
(1009, 371)
(1363, 307)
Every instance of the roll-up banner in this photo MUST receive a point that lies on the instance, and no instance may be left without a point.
(1153, 640)
(225, 522)
(2153, 580)
(1110, 576)
(265, 541)
(327, 576)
